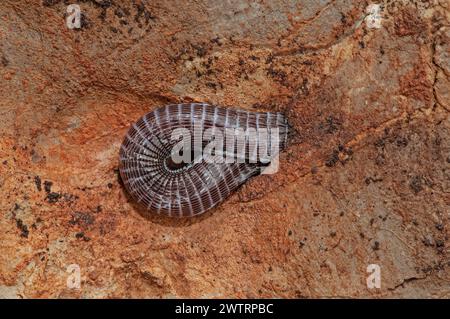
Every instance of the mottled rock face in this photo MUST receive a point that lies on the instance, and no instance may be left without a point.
(365, 181)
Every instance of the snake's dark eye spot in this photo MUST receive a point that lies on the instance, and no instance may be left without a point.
(165, 181)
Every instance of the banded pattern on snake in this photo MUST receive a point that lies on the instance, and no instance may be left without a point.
(189, 189)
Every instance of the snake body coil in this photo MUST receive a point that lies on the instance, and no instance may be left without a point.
(189, 189)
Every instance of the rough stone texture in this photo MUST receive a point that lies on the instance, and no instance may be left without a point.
(366, 179)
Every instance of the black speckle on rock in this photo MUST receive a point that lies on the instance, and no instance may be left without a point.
(216, 40)
(201, 51)
(278, 75)
(141, 11)
(439, 226)
(371, 179)
(48, 186)
(402, 141)
(37, 181)
(5, 61)
(49, 3)
(53, 197)
(148, 16)
(376, 245)
(121, 12)
(102, 3)
(380, 142)
(440, 243)
(212, 85)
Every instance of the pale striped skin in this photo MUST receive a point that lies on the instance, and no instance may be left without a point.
(197, 187)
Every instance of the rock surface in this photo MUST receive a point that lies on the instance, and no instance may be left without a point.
(366, 179)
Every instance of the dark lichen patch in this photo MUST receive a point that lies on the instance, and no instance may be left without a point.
(416, 184)
(19, 223)
(142, 12)
(82, 219)
(332, 159)
(82, 235)
(22, 227)
(278, 75)
(121, 12)
(331, 125)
